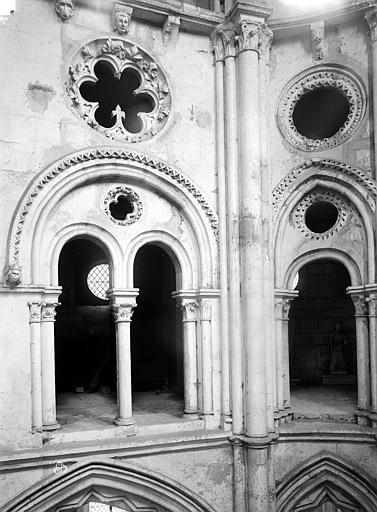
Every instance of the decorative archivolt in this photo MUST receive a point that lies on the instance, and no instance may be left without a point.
(337, 170)
(343, 80)
(322, 477)
(106, 481)
(110, 155)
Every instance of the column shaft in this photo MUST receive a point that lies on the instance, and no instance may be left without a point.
(257, 480)
(36, 365)
(190, 373)
(279, 364)
(363, 377)
(206, 343)
(48, 367)
(235, 322)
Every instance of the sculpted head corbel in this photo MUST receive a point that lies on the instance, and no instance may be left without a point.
(13, 275)
(65, 9)
(122, 15)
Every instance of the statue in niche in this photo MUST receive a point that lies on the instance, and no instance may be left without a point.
(13, 275)
(121, 18)
(64, 8)
(338, 350)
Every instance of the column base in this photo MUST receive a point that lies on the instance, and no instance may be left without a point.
(188, 415)
(53, 426)
(124, 422)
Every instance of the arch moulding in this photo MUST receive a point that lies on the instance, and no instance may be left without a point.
(93, 164)
(326, 471)
(116, 479)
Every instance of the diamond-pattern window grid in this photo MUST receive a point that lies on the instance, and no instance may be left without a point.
(98, 283)
(100, 507)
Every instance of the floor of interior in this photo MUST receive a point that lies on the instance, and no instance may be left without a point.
(324, 402)
(96, 410)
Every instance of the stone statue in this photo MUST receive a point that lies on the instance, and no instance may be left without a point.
(64, 8)
(121, 18)
(338, 341)
(13, 275)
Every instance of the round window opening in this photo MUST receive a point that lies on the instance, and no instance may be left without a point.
(319, 114)
(98, 280)
(321, 216)
(121, 207)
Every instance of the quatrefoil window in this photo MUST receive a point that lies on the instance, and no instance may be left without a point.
(117, 97)
(123, 205)
(119, 90)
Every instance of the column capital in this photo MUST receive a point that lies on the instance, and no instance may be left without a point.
(35, 312)
(48, 311)
(190, 309)
(371, 18)
(205, 310)
(123, 312)
(283, 300)
(253, 35)
(357, 294)
(224, 41)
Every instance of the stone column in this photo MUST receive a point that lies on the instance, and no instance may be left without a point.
(190, 309)
(48, 313)
(233, 228)
(362, 342)
(371, 18)
(206, 350)
(219, 54)
(251, 34)
(124, 302)
(372, 313)
(283, 299)
(36, 365)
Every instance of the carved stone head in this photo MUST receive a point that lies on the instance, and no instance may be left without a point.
(13, 275)
(122, 22)
(64, 8)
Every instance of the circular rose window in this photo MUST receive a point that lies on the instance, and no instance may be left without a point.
(321, 108)
(119, 90)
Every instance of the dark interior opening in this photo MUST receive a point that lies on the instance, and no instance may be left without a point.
(156, 348)
(110, 91)
(320, 113)
(322, 327)
(84, 333)
(321, 216)
(120, 208)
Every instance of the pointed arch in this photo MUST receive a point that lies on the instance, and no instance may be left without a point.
(329, 474)
(116, 479)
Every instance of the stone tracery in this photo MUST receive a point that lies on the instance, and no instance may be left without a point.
(122, 57)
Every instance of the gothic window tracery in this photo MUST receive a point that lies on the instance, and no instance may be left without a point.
(119, 90)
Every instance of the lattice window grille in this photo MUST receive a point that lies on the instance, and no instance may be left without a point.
(98, 281)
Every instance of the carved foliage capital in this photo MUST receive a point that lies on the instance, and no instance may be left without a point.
(253, 36)
(371, 18)
(123, 312)
(282, 307)
(360, 303)
(224, 40)
(205, 310)
(372, 304)
(190, 309)
(48, 311)
(35, 312)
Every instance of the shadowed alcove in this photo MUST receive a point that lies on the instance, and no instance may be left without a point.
(322, 340)
(156, 345)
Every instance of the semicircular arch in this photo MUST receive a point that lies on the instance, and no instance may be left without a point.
(85, 167)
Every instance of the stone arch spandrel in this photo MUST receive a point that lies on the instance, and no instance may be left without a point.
(355, 237)
(95, 165)
(117, 479)
(326, 471)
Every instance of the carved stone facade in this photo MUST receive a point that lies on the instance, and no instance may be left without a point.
(158, 141)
